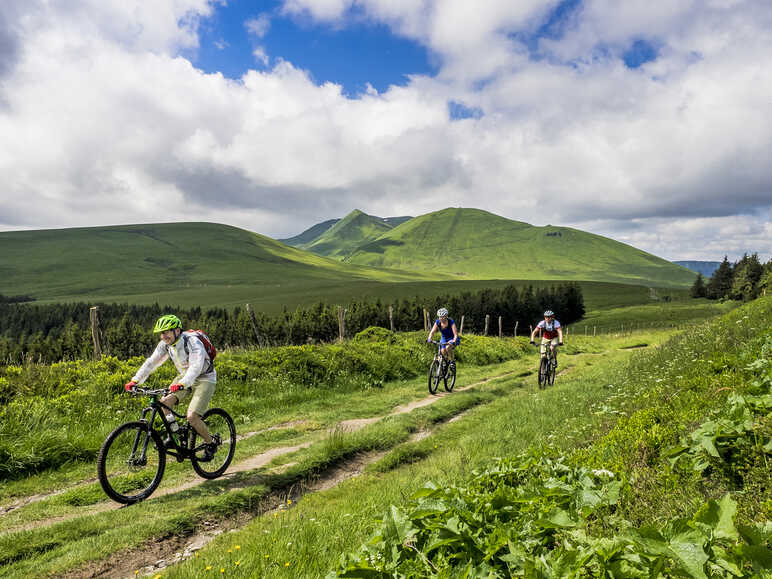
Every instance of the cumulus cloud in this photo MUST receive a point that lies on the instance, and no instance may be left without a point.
(103, 120)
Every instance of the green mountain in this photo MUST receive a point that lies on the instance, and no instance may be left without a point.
(309, 234)
(475, 244)
(172, 263)
(349, 233)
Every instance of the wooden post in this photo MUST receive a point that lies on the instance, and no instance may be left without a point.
(501, 333)
(391, 318)
(94, 317)
(530, 331)
(516, 323)
(426, 320)
(487, 322)
(341, 326)
(461, 327)
(253, 319)
(593, 331)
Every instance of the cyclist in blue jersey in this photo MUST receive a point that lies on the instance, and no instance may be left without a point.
(552, 334)
(449, 337)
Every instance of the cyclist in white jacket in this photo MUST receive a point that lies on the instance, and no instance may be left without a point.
(196, 376)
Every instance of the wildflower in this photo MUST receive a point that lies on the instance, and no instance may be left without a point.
(286, 564)
(603, 472)
(222, 569)
(157, 576)
(230, 551)
(208, 568)
(237, 563)
(237, 547)
(267, 556)
(289, 501)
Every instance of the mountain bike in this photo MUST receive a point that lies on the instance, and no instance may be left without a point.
(441, 369)
(131, 462)
(547, 366)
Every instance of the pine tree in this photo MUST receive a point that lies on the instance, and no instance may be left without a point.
(698, 289)
(746, 275)
(720, 283)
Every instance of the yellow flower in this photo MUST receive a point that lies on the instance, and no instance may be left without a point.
(230, 550)
(208, 568)
(286, 564)
(237, 547)
(222, 570)
(237, 563)
(289, 501)
(157, 576)
(136, 572)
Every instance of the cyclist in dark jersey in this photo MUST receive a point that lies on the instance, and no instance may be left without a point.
(552, 334)
(449, 337)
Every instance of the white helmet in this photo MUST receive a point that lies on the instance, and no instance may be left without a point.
(442, 313)
(549, 314)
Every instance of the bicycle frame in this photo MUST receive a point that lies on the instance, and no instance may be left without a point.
(159, 409)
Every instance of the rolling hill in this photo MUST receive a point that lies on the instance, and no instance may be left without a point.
(310, 234)
(476, 244)
(172, 263)
(343, 236)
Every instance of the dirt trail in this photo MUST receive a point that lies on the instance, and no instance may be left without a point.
(251, 463)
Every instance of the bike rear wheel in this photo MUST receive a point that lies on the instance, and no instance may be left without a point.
(131, 463)
(223, 431)
(543, 369)
(434, 376)
(450, 378)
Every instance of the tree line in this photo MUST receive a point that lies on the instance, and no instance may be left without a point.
(747, 279)
(50, 333)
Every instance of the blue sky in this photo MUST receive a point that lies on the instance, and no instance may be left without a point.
(359, 53)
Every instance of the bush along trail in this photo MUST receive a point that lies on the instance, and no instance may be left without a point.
(607, 413)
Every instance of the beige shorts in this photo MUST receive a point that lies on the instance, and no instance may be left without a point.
(545, 341)
(200, 394)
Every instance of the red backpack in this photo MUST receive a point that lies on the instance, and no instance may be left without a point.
(210, 349)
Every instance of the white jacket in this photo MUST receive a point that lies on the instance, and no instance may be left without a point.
(189, 356)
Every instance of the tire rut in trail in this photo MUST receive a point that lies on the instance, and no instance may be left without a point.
(153, 557)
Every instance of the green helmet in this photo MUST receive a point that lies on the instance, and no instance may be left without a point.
(167, 322)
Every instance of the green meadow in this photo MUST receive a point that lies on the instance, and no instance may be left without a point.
(343, 490)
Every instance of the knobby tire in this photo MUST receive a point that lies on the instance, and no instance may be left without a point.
(450, 378)
(220, 424)
(125, 476)
(434, 376)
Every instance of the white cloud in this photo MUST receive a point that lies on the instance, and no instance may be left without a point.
(102, 121)
(258, 26)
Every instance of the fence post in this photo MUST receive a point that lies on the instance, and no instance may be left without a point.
(501, 334)
(516, 323)
(426, 320)
(341, 324)
(461, 328)
(253, 319)
(593, 331)
(95, 333)
(391, 318)
(487, 322)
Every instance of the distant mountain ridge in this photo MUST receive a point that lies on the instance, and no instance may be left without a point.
(706, 268)
(476, 244)
(343, 236)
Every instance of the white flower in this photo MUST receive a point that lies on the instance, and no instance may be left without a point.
(603, 472)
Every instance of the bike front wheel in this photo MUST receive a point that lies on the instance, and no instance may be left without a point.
(450, 378)
(131, 463)
(434, 376)
(223, 431)
(543, 370)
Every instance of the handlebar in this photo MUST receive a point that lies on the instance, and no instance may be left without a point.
(158, 392)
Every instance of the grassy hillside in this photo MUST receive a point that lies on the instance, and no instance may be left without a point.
(471, 243)
(170, 263)
(346, 235)
(309, 234)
